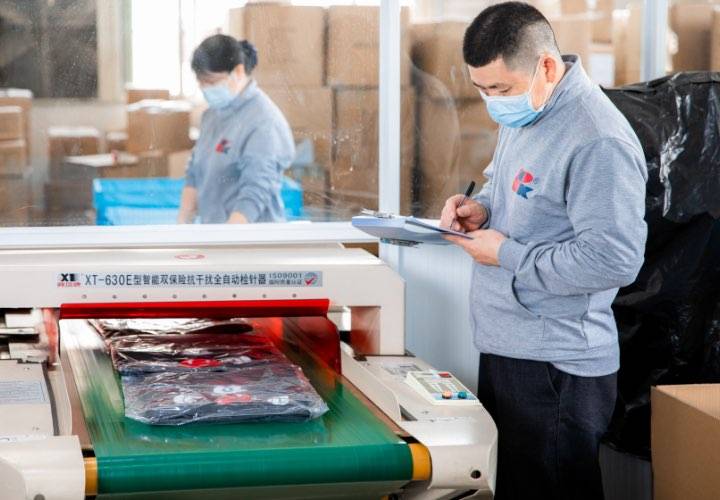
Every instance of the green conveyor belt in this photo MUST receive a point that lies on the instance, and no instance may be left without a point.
(347, 453)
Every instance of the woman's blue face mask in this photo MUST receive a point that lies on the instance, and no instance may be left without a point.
(218, 95)
(514, 111)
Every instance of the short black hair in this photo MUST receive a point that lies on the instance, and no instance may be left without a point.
(222, 53)
(513, 31)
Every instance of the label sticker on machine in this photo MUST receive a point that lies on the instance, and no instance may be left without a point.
(22, 392)
(232, 279)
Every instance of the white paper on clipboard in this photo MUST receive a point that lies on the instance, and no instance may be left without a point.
(404, 230)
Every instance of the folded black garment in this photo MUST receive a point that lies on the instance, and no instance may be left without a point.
(199, 351)
(110, 328)
(273, 392)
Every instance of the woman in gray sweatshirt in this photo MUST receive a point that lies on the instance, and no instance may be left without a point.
(245, 144)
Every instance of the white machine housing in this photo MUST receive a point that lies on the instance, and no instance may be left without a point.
(363, 290)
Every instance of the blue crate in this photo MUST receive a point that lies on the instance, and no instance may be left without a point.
(121, 202)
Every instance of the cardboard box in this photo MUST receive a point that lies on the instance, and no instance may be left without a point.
(549, 8)
(353, 46)
(11, 123)
(693, 25)
(309, 112)
(137, 94)
(111, 165)
(686, 441)
(16, 200)
(354, 174)
(715, 49)
(456, 141)
(70, 141)
(159, 126)
(574, 35)
(627, 44)
(574, 7)
(290, 41)
(602, 22)
(437, 55)
(13, 157)
(116, 141)
(22, 98)
(63, 196)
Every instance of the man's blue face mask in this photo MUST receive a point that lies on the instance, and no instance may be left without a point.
(513, 111)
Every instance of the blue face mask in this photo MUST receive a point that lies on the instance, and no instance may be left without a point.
(218, 96)
(513, 111)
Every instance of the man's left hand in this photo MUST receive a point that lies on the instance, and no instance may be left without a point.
(484, 246)
(237, 218)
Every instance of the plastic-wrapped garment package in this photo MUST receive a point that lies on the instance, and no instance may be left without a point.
(277, 392)
(109, 328)
(669, 319)
(199, 351)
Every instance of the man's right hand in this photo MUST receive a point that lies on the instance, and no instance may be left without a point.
(466, 218)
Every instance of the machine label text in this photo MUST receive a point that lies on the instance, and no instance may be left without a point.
(295, 279)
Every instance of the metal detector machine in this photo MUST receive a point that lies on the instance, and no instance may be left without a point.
(395, 425)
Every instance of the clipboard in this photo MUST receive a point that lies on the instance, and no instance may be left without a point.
(403, 231)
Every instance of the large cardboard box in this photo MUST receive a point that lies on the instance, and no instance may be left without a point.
(116, 141)
(66, 196)
(693, 25)
(111, 165)
(11, 123)
(13, 157)
(309, 111)
(70, 141)
(354, 174)
(574, 6)
(135, 94)
(177, 163)
(437, 55)
(715, 50)
(456, 141)
(574, 35)
(627, 44)
(16, 200)
(290, 41)
(686, 441)
(549, 8)
(158, 126)
(22, 98)
(602, 23)
(353, 46)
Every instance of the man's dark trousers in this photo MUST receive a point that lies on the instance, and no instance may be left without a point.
(549, 427)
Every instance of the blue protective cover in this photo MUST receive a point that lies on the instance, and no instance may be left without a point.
(404, 230)
(122, 202)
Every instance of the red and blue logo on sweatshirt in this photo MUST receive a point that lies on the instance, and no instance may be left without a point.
(521, 183)
(223, 146)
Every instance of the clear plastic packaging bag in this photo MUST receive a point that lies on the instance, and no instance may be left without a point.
(272, 392)
(133, 354)
(109, 328)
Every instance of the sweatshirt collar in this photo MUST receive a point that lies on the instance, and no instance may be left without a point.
(250, 91)
(575, 83)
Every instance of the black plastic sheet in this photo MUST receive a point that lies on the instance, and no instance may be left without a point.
(669, 319)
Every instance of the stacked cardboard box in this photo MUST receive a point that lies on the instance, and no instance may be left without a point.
(13, 150)
(70, 141)
(603, 21)
(353, 46)
(456, 137)
(116, 141)
(22, 98)
(135, 94)
(290, 41)
(354, 174)
(155, 125)
(627, 43)
(16, 200)
(692, 22)
(309, 112)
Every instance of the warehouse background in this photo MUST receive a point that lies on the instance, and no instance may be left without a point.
(104, 90)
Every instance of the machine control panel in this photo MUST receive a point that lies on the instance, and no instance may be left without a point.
(440, 388)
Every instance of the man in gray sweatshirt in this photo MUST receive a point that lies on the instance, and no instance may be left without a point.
(557, 229)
